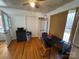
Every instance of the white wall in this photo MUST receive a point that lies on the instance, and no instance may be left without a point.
(17, 21)
(19, 17)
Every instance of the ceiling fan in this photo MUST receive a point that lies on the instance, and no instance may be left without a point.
(32, 3)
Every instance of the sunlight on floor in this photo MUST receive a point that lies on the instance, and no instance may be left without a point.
(3, 50)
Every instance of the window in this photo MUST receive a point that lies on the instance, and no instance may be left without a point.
(1, 25)
(69, 24)
(6, 21)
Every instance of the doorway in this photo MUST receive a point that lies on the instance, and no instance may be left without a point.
(43, 26)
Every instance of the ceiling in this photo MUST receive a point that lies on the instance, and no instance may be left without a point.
(44, 6)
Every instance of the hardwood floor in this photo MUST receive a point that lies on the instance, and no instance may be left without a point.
(24, 50)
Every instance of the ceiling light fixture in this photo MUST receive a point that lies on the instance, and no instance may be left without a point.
(32, 4)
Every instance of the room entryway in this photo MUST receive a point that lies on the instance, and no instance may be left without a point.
(43, 26)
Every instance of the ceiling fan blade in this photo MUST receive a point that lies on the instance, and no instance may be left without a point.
(37, 5)
(25, 4)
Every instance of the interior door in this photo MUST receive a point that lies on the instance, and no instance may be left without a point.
(32, 25)
(43, 24)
